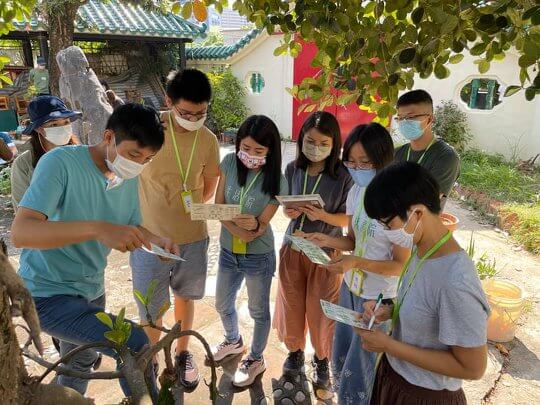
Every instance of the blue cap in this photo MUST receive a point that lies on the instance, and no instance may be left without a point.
(41, 60)
(43, 109)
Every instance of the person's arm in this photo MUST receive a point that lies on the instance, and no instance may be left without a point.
(211, 170)
(210, 184)
(392, 267)
(319, 214)
(5, 151)
(165, 243)
(344, 243)
(32, 230)
(20, 180)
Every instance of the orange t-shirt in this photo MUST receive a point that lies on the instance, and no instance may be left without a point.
(160, 184)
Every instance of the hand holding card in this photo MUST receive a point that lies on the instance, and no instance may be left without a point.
(156, 250)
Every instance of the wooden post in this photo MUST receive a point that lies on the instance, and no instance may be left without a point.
(27, 53)
(182, 53)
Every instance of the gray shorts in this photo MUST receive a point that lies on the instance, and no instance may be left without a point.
(187, 279)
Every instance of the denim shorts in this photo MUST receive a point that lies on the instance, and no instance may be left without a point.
(186, 279)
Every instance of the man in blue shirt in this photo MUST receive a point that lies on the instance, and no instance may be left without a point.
(82, 202)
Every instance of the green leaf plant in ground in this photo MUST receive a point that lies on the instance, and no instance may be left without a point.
(383, 45)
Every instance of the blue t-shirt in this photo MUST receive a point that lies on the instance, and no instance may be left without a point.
(67, 186)
(255, 203)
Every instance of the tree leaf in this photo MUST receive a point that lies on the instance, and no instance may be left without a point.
(441, 72)
(114, 336)
(199, 11)
(187, 10)
(140, 297)
(310, 108)
(456, 58)
(529, 13)
(164, 308)
(511, 90)
(417, 15)
(105, 318)
(483, 66)
(151, 290)
(407, 55)
(120, 319)
(176, 7)
(530, 93)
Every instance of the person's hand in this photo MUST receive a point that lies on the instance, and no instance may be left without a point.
(169, 246)
(292, 213)
(246, 221)
(319, 239)
(374, 340)
(383, 314)
(121, 237)
(313, 213)
(246, 236)
(342, 264)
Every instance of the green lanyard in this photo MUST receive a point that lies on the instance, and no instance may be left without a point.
(419, 265)
(364, 230)
(304, 193)
(183, 175)
(423, 154)
(244, 191)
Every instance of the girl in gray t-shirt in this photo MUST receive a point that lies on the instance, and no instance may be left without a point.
(440, 313)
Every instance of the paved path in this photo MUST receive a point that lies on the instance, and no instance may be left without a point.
(518, 382)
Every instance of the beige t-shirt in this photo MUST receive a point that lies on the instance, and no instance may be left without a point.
(160, 184)
(21, 175)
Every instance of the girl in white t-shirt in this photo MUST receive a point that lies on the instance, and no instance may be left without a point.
(372, 269)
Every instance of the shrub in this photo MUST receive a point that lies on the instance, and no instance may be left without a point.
(451, 125)
(524, 222)
(228, 106)
(5, 181)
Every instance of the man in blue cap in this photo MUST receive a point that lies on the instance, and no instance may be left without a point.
(39, 77)
(82, 202)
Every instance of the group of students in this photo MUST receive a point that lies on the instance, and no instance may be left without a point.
(136, 187)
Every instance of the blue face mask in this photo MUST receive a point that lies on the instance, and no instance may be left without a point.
(362, 177)
(411, 129)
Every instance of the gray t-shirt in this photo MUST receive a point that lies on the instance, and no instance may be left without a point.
(21, 174)
(255, 201)
(332, 191)
(441, 160)
(445, 306)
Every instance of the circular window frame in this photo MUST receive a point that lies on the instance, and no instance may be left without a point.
(469, 79)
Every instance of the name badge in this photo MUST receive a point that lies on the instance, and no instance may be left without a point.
(357, 282)
(239, 246)
(187, 201)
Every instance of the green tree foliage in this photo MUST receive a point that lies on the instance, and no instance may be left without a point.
(373, 49)
(451, 125)
(228, 106)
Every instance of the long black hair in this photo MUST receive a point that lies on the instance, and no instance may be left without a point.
(375, 140)
(263, 131)
(326, 124)
(37, 147)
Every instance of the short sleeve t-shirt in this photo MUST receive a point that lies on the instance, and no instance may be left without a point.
(445, 306)
(40, 79)
(332, 191)
(21, 175)
(161, 184)
(68, 186)
(255, 201)
(375, 246)
(441, 160)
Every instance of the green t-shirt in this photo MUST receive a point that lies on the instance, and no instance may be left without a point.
(255, 201)
(40, 79)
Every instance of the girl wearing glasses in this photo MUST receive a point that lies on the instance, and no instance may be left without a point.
(302, 284)
(372, 269)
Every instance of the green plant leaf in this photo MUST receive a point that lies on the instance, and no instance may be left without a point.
(529, 13)
(407, 55)
(483, 66)
(115, 336)
(151, 290)
(187, 10)
(456, 58)
(140, 297)
(176, 7)
(105, 318)
(164, 308)
(530, 93)
(417, 15)
(511, 90)
(120, 319)
(441, 72)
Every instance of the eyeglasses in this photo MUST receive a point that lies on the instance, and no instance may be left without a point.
(410, 117)
(355, 166)
(386, 222)
(189, 115)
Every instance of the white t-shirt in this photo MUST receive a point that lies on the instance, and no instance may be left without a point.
(375, 247)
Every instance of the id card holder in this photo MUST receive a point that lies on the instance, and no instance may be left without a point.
(357, 281)
(187, 200)
(239, 246)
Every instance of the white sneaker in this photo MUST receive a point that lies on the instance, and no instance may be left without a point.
(226, 349)
(247, 372)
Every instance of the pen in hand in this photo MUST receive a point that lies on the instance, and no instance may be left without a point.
(377, 305)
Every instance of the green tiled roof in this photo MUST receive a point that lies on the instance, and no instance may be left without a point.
(120, 18)
(220, 52)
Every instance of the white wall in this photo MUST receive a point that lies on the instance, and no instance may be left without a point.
(277, 72)
(511, 126)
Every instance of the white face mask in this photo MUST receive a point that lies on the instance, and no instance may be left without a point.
(189, 125)
(123, 168)
(401, 237)
(58, 135)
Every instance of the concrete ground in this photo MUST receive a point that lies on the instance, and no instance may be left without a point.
(510, 379)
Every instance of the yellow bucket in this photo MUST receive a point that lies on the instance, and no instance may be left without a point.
(506, 302)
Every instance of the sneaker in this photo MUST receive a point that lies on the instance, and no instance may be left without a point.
(187, 371)
(247, 372)
(226, 349)
(294, 362)
(321, 373)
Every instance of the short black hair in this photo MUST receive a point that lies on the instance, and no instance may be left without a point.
(415, 97)
(190, 85)
(265, 132)
(398, 187)
(328, 125)
(135, 122)
(105, 84)
(375, 140)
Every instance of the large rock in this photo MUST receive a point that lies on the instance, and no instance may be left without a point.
(80, 87)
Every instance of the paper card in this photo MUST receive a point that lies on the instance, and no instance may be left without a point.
(214, 212)
(311, 250)
(295, 201)
(343, 315)
(156, 250)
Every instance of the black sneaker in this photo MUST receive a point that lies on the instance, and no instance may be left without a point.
(187, 371)
(294, 362)
(321, 373)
